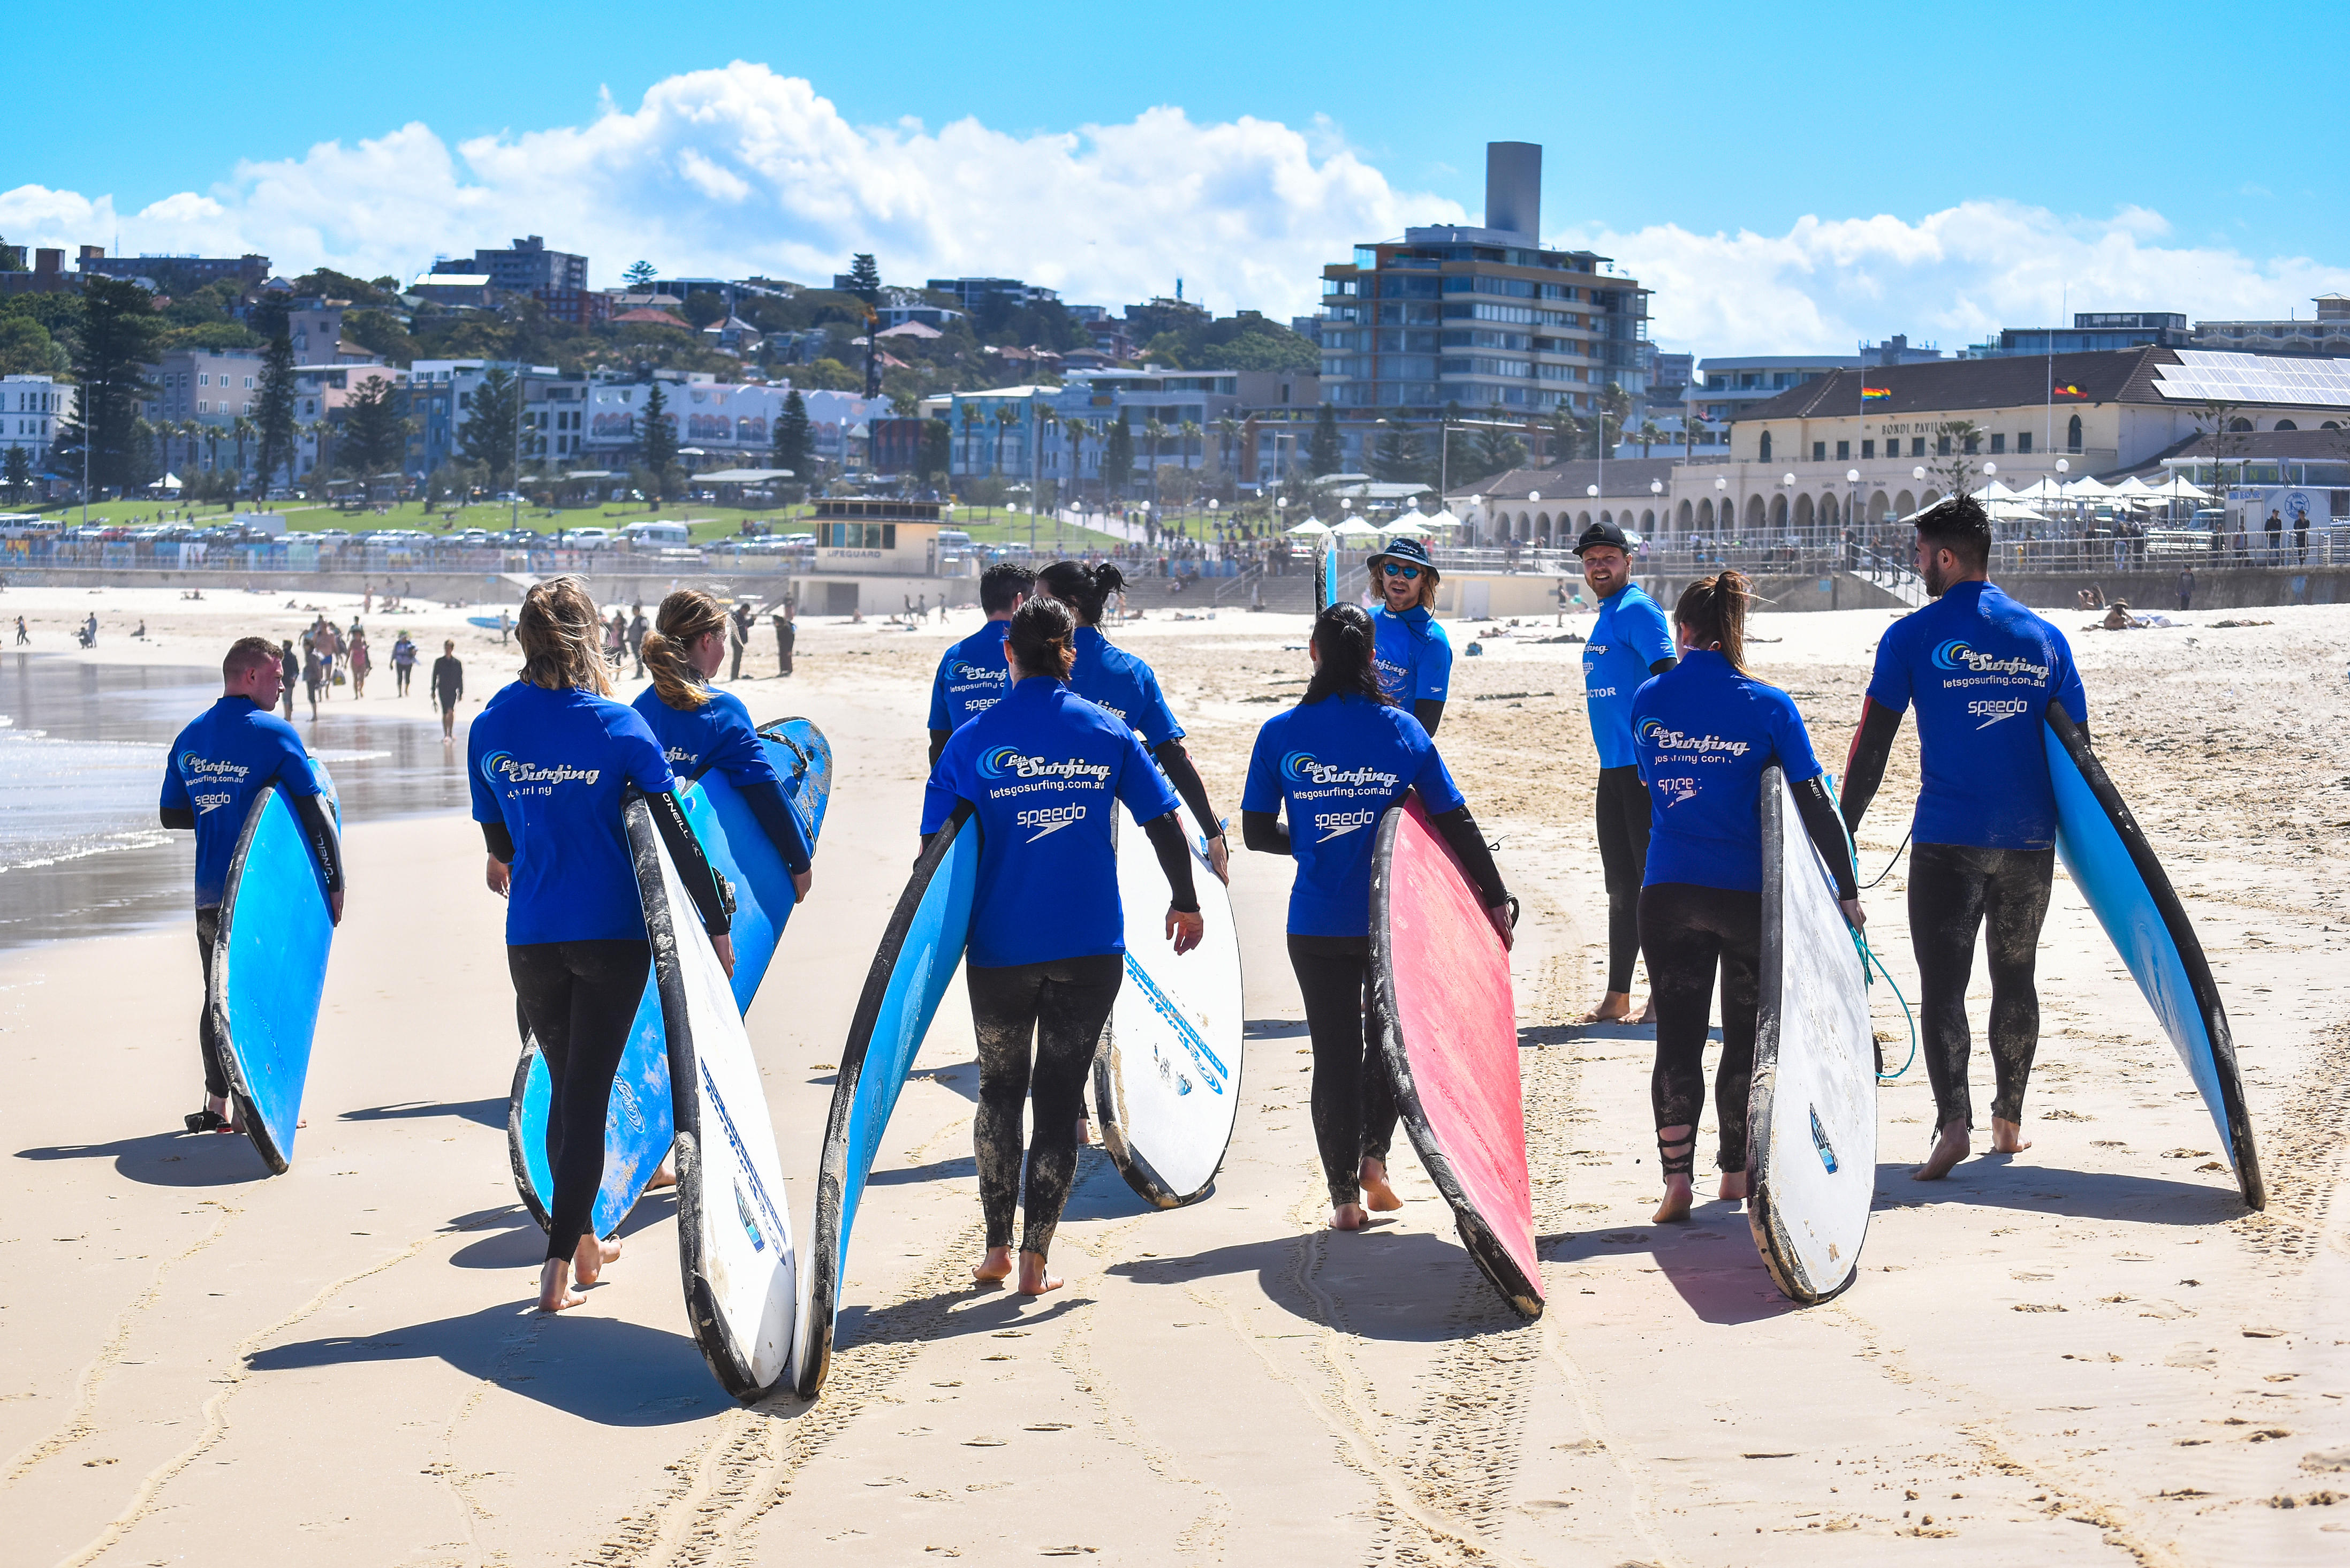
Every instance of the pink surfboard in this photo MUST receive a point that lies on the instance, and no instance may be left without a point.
(1448, 1026)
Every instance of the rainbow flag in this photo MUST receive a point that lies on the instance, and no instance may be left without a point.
(1869, 394)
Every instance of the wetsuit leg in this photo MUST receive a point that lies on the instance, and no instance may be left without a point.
(1004, 1001)
(207, 1038)
(580, 999)
(1350, 1084)
(1072, 1007)
(1738, 924)
(1622, 812)
(1688, 932)
(2015, 902)
(1946, 888)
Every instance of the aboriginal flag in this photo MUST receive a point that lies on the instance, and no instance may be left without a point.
(2066, 390)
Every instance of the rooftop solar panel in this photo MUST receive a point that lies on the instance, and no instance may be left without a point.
(2203, 375)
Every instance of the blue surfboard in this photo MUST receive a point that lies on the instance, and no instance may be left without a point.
(269, 968)
(911, 971)
(1325, 579)
(639, 1127)
(2107, 856)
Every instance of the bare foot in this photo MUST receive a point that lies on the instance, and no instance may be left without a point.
(555, 1292)
(1676, 1206)
(1374, 1178)
(588, 1262)
(1733, 1186)
(664, 1174)
(994, 1268)
(2007, 1136)
(1949, 1149)
(1648, 1011)
(1084, 1132)
(1614, 1008)
(1346, 1216)
(1034, 1281)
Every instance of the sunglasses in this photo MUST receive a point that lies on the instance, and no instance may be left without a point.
(1397, 569)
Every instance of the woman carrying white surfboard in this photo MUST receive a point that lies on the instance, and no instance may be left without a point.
(550, 760)
(1335, 763)
(1042, 770)
(1704, 731)
(1110, 676)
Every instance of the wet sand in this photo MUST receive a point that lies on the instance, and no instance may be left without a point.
(2085, 1352)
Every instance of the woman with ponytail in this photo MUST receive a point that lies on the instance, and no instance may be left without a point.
(549, 761)
(1704, 731)
(701, 729)
(1335, 763)
(1042, 771)
(1110, 676)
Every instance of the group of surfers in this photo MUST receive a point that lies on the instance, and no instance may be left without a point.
(1040, 728)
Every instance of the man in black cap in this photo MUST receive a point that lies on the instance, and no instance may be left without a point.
(1413, 654)
(1629, 643)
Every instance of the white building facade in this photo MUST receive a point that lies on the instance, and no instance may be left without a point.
(32, 409)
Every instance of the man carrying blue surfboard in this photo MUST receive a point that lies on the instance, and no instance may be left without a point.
(1982, 670)
(216, 766)
(972, 676)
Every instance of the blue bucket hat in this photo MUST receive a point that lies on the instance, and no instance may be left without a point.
(1409, 551)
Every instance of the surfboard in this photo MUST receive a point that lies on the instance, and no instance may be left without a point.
(916, 960)
(1811, 1113)
(1325, 577)
(735, 1241)
(1448, 1025)
(637, 1128)
(1167, 1077)
(488, 622)
(269, 968)
(2106, 854)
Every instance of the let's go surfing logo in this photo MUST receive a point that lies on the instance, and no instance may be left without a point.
(503, 768)
(1306, 768)
(976, 674)
(1955, 654)
(198, 773)
(1653, 733)
(1010, 762)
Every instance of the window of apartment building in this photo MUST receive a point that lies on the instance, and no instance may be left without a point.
(1868, 449)
(1998, 444)
(2023, 441)
(1843, 451)
(1974, 444)
(1819, 452)
(1941, 446)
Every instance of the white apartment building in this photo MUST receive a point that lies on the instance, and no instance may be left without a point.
(31, 409)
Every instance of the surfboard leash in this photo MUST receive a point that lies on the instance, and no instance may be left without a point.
(1868, 961)
(1890, 864)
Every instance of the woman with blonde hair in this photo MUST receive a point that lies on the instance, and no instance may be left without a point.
(700, 729)
(550, 760)
(1705, 731)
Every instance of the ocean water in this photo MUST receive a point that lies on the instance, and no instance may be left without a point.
(82, 770)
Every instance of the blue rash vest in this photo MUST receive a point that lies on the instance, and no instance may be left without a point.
(1630, 637)
(1413, 656)
(1705, 732)
(216, 766)
(972, 677)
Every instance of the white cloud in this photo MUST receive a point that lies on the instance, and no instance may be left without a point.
(740, 171)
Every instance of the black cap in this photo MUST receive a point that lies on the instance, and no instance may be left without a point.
(1603, 534)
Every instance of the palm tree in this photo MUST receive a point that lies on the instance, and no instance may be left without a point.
(1046, 419)
(971, 418)
(1007, 415)
(244, 429)
(1650, 435)
(1154, 430)
(213, 434)
(1228, 439)
(1190, 433)
(1076, 428)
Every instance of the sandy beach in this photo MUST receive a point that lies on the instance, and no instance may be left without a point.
(2086, 1353)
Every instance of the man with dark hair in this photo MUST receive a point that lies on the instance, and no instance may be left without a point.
(214, 769)
(448, 688)
(289, 673)
(740, 637)
(1982, 670)
(974, 673)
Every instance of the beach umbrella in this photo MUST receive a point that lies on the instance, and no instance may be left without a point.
(1443, 519)
(1310, 529)
(1412, 527)
(2086, 488)
(2046, 490)
(2180, 489)
(2133, 486)
(1996, 489)
(1355, 528)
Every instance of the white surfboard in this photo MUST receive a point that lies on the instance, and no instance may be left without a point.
(1811, 1131)
(734, 1237)
(1167, 1078)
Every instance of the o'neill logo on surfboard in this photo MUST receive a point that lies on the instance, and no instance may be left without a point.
(1654, 732)
(1303, 767)
(504, 767)
(1002, 760)
(1956, 655)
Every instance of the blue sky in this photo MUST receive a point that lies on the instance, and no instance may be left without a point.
(1788, 176)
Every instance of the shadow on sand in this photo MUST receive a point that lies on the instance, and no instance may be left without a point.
(169, 1158)
(487, 1113)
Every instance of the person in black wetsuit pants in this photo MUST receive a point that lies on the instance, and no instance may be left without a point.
(1982, 670)
(1705, 731)
(550, 762)
(214, 768)
(1335, 763)
(1042, 770)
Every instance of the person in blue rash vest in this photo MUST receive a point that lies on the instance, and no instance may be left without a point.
(1414, 656)
(1981, 671)
(1335, 763)
(1110, 676)
(971, 676)
(700, 729)
(1042, 771)
(1705, 732)
(1629, 643)
(549, 761)
(215, 767)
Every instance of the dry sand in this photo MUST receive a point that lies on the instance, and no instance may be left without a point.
(2088, 1353)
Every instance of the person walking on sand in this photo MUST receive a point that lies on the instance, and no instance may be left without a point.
(2186, 588)
(1334, 762)
(1705, 730)
(971, 676)
(448, 688)
(1629, 643)
(1982, 670)
(360, 662)
(313, 675)
(1047, 943)
(23, 637)
(549, 762)
(637, 627)
(785, 635)
(216, 766)
(289, 675)
(741, 638)
(403, 662)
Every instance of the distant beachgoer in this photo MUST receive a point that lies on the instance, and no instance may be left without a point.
(637, 627)
(616, 639)
(2274, 528)
(313, 675)
(2186, 588)
(785, 635)
(741, 638)
(289, 675)
(360, 661)
(23, 637)
(367, 602)
(2301, 539)
(89, 631)
(448, 686)
(216, 767)
(2118, 616)
(506, 627)
(403, 661)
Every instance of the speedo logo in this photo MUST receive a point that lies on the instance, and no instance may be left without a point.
(1050, 819)
(1011, 760)
(1654, 732)
(504, 767)
(1303, 767)
(1338, 823)
(1992, 711)
(1956, 655)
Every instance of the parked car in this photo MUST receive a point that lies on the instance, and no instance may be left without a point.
(587, 539)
